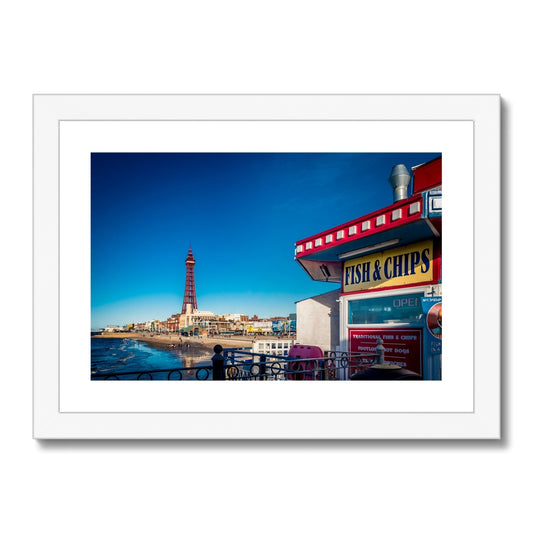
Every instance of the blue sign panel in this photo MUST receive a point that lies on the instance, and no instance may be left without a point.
(432, 307)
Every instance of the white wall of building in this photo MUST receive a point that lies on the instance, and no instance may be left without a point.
(233, 317)
(273, 347)
(317, 321)
(194, 316)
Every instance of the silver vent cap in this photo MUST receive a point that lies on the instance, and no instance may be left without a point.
(399, 180)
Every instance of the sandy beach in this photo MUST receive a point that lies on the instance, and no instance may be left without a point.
(166, 340)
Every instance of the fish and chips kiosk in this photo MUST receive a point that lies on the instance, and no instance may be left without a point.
(389, 266)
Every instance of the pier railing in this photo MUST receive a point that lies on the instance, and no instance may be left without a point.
(197, 373)
(240, 365)
(334, 366)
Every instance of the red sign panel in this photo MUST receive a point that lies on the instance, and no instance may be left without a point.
(427, 176)
(403, 347)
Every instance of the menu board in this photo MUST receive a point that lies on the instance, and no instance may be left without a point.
(403, 347)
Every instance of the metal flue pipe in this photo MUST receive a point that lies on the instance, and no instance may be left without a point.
(399, 180)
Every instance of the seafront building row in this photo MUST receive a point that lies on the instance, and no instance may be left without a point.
(196, 323)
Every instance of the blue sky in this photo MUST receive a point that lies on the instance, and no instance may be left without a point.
(241, 213)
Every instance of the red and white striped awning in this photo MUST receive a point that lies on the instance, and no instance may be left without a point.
(414, 219)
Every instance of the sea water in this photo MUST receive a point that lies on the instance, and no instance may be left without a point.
(115, 355)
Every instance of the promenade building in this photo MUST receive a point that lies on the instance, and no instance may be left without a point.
(234, 317)
(193, 317)
(173, 323)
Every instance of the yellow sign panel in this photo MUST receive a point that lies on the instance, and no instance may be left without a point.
(391, 268)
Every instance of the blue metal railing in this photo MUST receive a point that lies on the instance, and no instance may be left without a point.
(242, 365)
(333, 366)
(199, 373)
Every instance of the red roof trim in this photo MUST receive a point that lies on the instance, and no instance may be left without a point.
(378, 221)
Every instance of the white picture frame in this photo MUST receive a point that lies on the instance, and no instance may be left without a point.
(464, 405)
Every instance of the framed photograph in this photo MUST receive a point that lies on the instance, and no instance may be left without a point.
(269, 266)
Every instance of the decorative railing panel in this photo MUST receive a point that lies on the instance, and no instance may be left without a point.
(197, 373)
(334, 366)
(240, 365)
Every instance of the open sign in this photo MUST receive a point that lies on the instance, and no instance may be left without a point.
(412, 301)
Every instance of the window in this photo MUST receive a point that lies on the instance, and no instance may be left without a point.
(403, 308)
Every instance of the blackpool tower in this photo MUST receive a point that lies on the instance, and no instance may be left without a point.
(190, 291)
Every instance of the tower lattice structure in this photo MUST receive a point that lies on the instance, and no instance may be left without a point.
(190, 290)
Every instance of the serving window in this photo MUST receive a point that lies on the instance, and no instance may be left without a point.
(404, 308)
